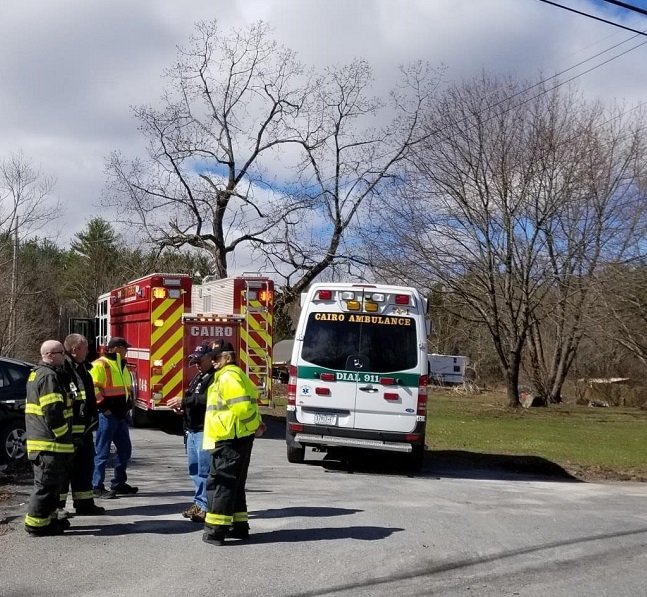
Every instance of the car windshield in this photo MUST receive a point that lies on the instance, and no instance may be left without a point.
(374, 343)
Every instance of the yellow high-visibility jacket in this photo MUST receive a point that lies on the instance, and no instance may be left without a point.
(231, 407)
(112, 384)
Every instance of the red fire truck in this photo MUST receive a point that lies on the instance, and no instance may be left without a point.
(164, 317)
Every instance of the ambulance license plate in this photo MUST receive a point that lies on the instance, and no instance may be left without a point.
(325, 419)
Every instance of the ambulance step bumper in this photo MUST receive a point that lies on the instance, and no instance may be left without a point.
(351, 442)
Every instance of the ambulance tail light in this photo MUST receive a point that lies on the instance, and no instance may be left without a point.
(327, 377)
(292, 386)
(295, 427)
(414, 438)
(324, 295)
(422, 396)
(402, 299)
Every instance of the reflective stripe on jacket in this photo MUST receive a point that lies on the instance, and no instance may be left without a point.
(111, 379)
(48, 412)
(231, 407)
(77, 391)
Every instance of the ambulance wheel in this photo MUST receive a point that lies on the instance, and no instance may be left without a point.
(416, 459)
(296, 454)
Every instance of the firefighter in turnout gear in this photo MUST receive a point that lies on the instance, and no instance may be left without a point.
(84, 419)
(231, 422)
(113, 388)
(48, 422)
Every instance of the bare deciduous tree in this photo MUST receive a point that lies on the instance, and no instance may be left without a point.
(25, 207)
(231, 101)
(622, 308)
(511, 203)
(250, 151)
(351, 156)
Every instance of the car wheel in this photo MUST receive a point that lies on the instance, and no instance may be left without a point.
(12, 441)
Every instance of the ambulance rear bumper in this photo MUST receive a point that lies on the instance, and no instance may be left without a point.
(353, 442)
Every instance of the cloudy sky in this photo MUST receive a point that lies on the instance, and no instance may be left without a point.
(71, 69)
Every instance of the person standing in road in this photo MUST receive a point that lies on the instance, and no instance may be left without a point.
(113, 388)
(84, 416)
(193, 407)
(48, 423)
(231, 422)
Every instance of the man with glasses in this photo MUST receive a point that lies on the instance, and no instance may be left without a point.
(84, 419)
(50, 448)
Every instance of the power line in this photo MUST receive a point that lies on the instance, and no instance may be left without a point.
(627, 6)
(586, 14)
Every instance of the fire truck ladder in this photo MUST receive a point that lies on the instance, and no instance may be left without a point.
(259, 354)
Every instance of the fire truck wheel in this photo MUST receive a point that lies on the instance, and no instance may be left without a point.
(140, 417)
(296, 455)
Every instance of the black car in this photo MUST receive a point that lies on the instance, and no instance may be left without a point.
(13, 382)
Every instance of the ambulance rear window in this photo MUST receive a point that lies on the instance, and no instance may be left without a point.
(384, 344)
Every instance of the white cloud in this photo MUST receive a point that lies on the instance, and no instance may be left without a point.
(71, 69)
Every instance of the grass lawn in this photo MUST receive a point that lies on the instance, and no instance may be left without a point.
(589, 443)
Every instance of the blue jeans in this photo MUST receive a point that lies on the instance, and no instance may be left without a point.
(199, 461)
(111, 430)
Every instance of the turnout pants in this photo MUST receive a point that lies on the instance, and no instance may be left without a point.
(80, 474)
(226, 484)
(50, 472)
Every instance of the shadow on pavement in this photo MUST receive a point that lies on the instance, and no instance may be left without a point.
(303, 511)
(157, 527)
(445, 463)
(318, 534)
(120, 508)
(473, 465)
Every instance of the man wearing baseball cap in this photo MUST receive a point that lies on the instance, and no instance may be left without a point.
(193, 406)
(113, 389)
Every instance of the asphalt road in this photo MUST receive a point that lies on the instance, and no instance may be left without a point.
(330, 528)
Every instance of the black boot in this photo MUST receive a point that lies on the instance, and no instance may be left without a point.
(215, 536)
(239, 530)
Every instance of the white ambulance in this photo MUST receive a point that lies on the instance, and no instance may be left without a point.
(358, 373)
